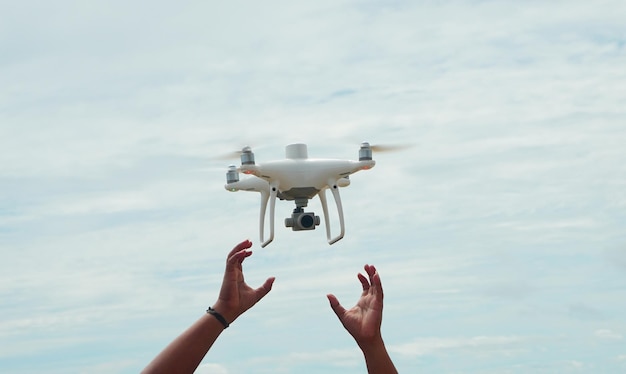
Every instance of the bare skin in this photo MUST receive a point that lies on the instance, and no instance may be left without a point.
(185, 353)
(363, 322)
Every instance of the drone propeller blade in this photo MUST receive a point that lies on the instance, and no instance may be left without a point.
(212, 170)
(232, 155)
(229, 156)
(378, 148)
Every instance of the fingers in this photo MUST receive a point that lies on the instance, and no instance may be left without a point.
(243, 245)
(239, 253)
(377, 284)
(238, 257)
(334, 304)
(364, 282)
(374, 279)
(371, 270)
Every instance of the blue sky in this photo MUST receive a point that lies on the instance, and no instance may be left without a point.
(499, 237)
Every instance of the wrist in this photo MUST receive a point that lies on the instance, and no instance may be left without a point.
(374, 344)
(377, 358)
(225, 311)
(218, 317)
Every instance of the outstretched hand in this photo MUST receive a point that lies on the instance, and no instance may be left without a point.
(235, 295)
(363, 321)
(184, 354)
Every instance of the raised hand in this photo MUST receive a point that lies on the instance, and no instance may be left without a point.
(235, 295)
(363, 322)
(184, 354)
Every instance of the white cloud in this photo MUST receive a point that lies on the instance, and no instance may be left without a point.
(606, 334)
(485, 344)
(576, 364)
(340, 358)
(115, 366)
(212, 368)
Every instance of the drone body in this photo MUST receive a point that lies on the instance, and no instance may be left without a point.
(297, 178)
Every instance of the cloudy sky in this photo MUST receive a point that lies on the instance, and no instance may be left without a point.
(500, 236)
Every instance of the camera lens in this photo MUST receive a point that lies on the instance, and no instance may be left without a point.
(307, 221)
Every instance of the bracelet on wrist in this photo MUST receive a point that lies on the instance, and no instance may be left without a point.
(218, 316)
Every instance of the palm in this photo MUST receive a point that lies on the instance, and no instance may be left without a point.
(245, 295)
(364, 319)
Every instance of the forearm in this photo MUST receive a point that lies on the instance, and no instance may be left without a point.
(185, 353)
(376, 358)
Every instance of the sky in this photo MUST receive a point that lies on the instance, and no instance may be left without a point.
(499, 236)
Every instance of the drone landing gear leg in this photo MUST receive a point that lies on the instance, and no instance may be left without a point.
(335, 190)
(264, 198)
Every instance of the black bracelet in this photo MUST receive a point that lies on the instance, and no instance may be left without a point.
(219, 317)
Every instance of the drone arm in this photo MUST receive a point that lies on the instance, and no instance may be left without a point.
(332, 185)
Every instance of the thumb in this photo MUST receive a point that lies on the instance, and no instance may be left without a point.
(265, 288)
(334, 304)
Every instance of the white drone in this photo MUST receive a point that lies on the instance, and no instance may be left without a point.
(297, 178)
